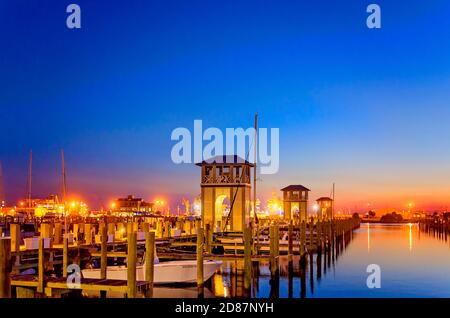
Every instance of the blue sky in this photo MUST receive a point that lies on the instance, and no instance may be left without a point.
(367, 109)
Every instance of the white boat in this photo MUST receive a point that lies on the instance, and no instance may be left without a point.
(164, 273)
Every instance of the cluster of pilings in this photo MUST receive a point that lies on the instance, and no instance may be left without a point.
(102, 239)
(435, 225)
(320, 237)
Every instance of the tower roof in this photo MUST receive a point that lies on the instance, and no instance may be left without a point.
(226, 159)
(324, 199)
(295, 187)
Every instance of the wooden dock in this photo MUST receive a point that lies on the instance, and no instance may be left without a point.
(303, 239)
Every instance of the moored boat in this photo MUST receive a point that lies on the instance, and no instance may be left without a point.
(171, 272)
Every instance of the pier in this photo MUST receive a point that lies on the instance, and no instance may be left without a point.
(109, 239)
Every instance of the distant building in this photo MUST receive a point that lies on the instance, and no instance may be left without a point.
(132, 204)
(295, 202)
(41, 207)
(51, 206)
(325, 211)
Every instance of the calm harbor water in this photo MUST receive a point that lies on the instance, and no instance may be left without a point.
(413, 264)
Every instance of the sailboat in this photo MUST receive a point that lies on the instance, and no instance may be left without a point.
(172, 272)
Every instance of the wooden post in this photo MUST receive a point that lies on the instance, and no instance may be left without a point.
(199, 259)
(290, 247)
(131, 265)
(273, 245)
(167, 229)
(247, 257)
(257, 239)
(41, 262)
(58, 233)
(5, 267)
(319, 236)
(76, 229)
(24, 292)
(46, 231)
(65, 255)
(311, 235)
(149, 260)
(303, 239)
(104, 251)
(14, 231)
(104, 255)
(208, 236)
(88, 233)
(277, 242)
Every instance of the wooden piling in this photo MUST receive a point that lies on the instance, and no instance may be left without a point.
(311, 235)
(277, 242)
(208, 236)
(65, 255)
(14, 232)
(24, 292)
(257, 239)
(131, 265)
(302, 239)
(5, 267)
(46, 231)
(149, 261)
(167, 229)
(76, 231)
(290, 241)
(200, 259)
(273, 250)
(247, 257)
(41, 262)
(319, 237)
(104, 251)
(88, 233)
(58, 233)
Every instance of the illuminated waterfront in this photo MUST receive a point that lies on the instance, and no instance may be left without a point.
(413, 264)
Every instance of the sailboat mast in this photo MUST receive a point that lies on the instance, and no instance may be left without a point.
(64, 189)
(2, 187)
(255, 140)
(30, 171)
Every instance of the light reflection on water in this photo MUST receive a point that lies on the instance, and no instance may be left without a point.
(413, 264)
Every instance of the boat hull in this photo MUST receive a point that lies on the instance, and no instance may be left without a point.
(164, 273)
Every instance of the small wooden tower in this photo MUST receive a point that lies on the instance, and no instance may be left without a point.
(225, 177)
(325, 211)
(295, 202)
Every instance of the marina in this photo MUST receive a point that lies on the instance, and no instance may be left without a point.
(50, 264)
(201, 157)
